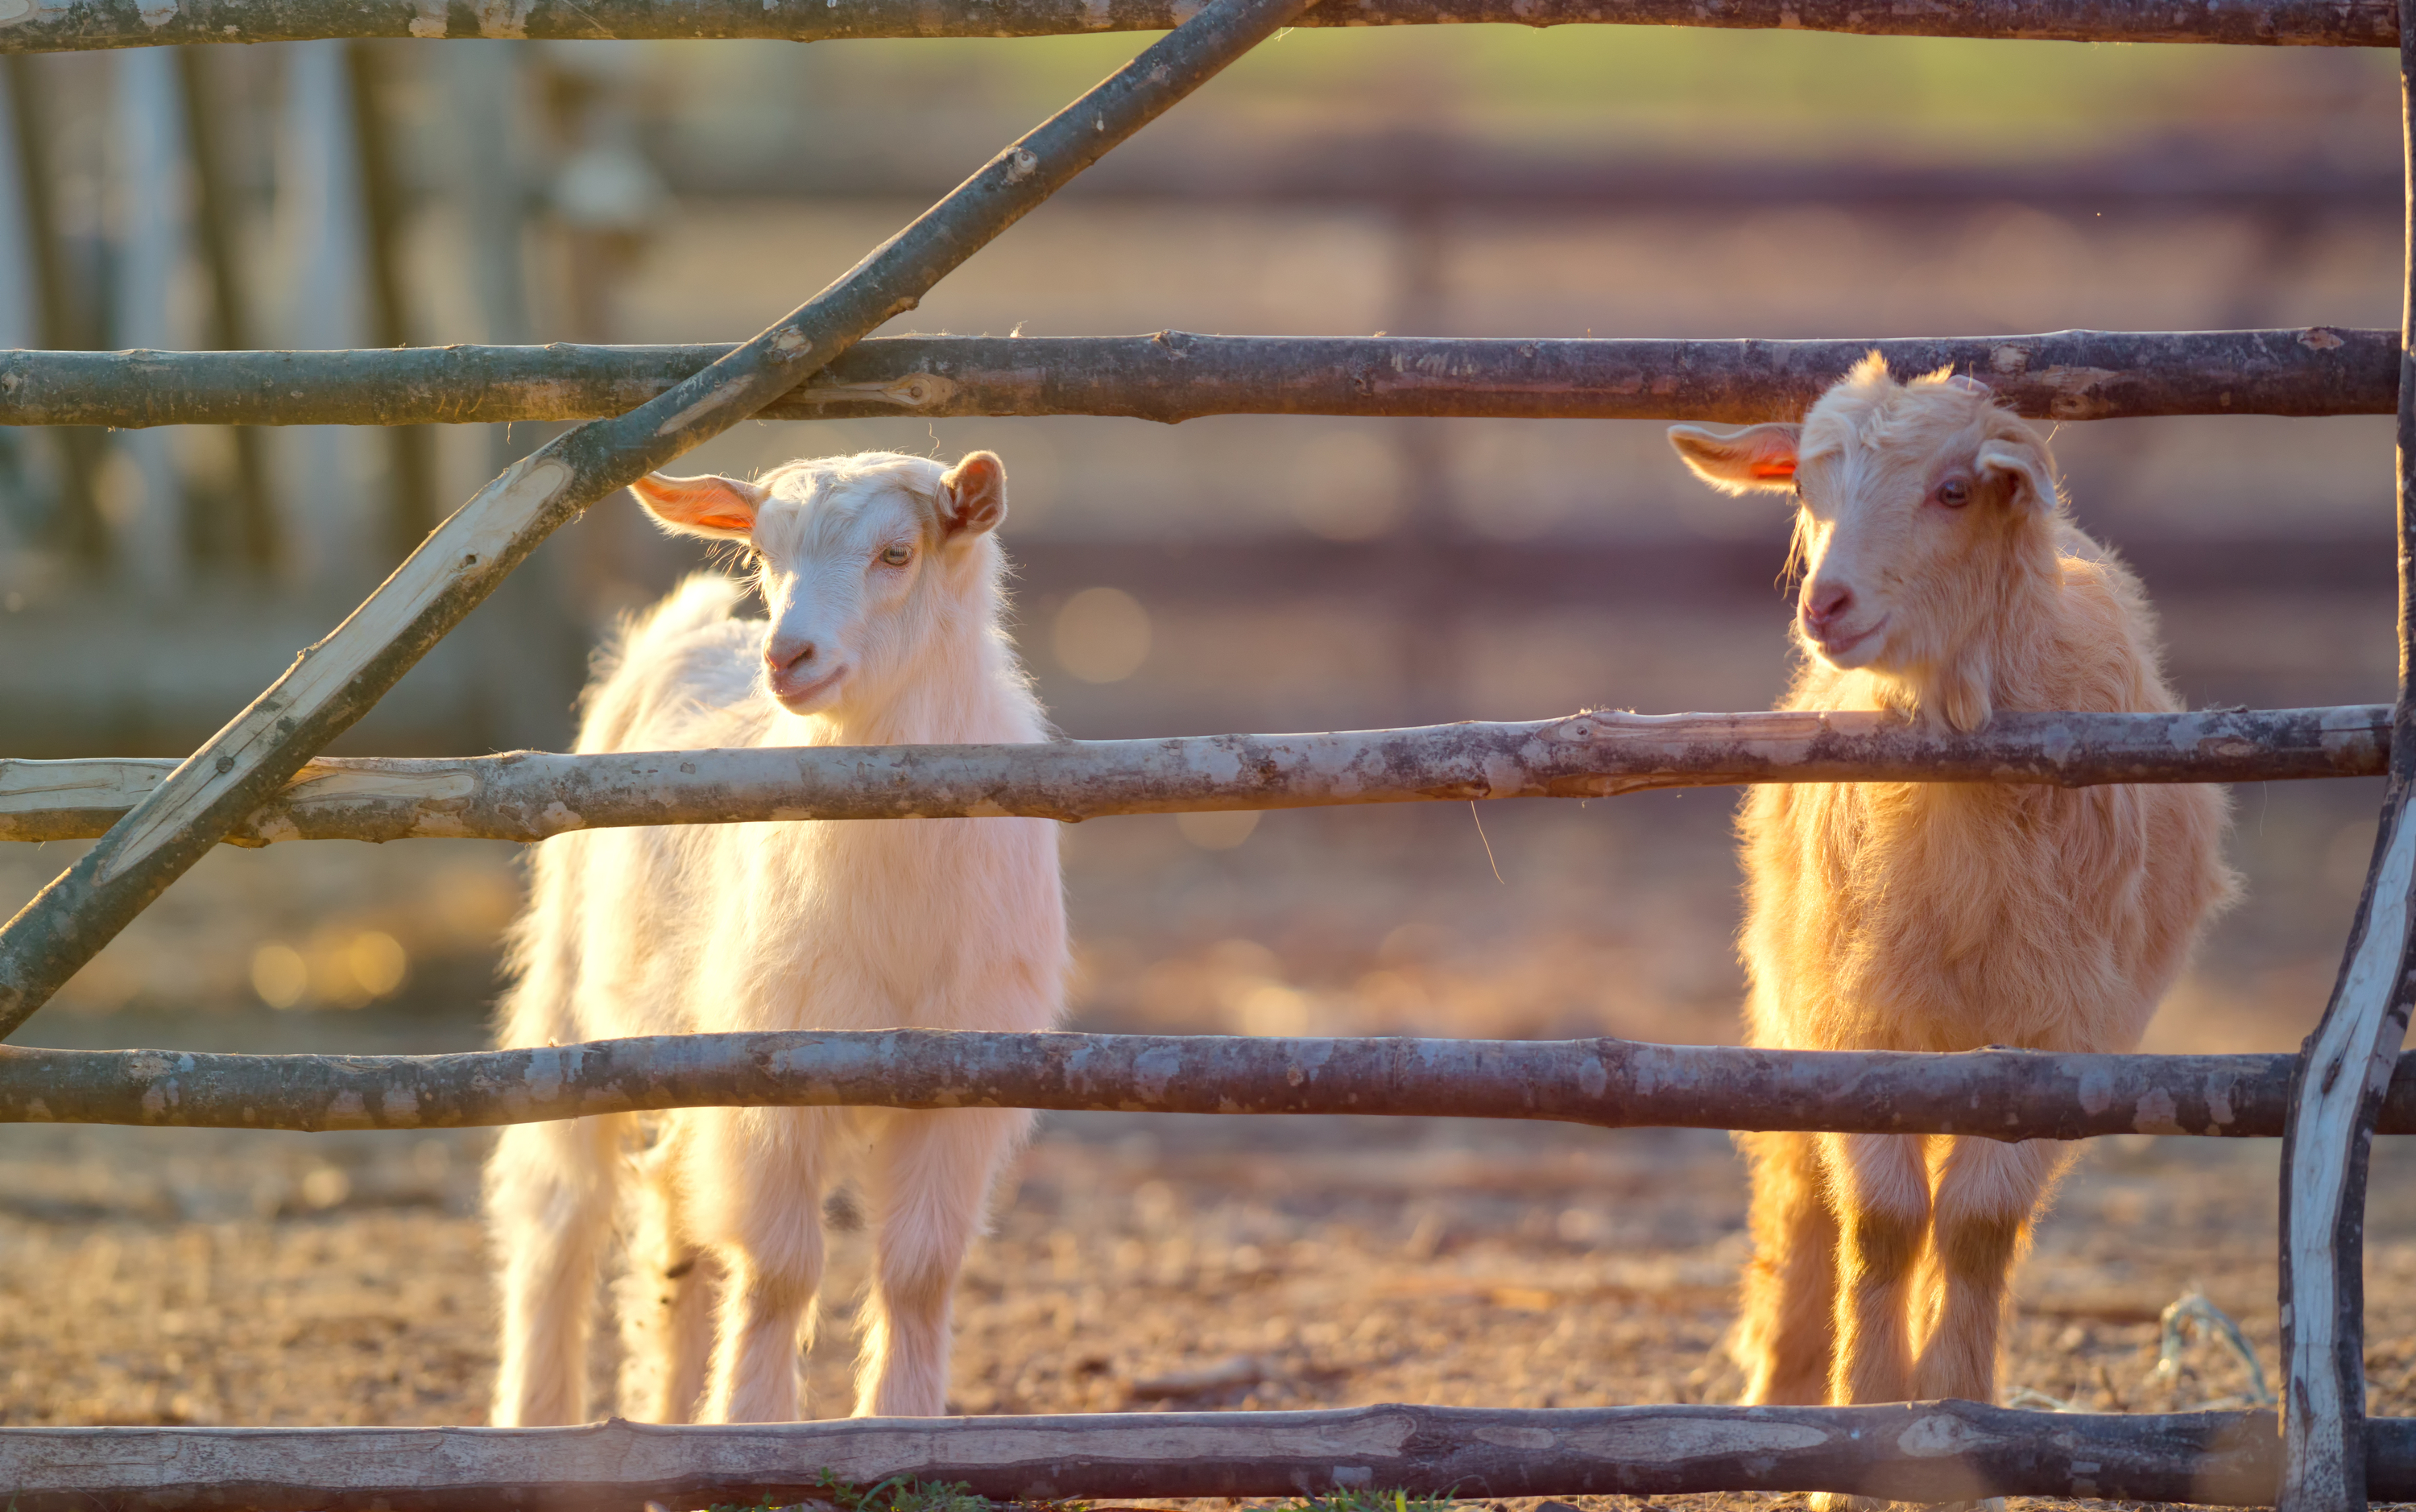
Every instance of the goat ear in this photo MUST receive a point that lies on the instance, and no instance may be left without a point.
(977, 495)
(1758, 457)
(722, 508)
(2025, 468)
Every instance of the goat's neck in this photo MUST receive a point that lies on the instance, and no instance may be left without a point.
(1997, 665)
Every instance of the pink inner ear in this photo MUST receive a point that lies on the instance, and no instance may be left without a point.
(708, 504)
(1774, 468)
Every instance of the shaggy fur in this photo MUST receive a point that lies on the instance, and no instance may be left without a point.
(1942, 580)
(942, 923)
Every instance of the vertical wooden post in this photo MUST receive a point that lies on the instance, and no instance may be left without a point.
(215, 234)
(146, 161)
(411, 449)
(2346, 1064)
(62, 321)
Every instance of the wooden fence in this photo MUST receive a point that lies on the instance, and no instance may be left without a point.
(256, 781)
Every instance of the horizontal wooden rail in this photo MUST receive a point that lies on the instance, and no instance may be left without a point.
(1930, 1452)
(1174, 376)
(531, 795)
(1610, 1084)
(1425, 171)
(104, 23)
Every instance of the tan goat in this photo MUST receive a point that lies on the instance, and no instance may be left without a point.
(1942, 579)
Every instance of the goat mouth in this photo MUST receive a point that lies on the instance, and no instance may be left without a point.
(1837, 649)
(800, 700)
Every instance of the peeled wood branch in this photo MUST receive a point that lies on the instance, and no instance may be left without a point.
(1610, 1084)
(101, 23)
(333, 683)
(1174, 376)
(1928, 1452)
(531, 795)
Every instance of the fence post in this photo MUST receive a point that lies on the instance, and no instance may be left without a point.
(250, 539)
(2343, 1071)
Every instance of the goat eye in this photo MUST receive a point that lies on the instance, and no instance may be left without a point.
(898, 556)
(1954, 493)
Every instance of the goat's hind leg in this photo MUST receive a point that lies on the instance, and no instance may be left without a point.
(930, 1179)
(549, 1195)
(1786, 1332)
(666, 1298)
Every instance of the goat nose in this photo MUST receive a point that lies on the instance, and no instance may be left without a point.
(1823, 603)
(788, 653)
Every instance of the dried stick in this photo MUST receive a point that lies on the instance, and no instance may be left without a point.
(336, 681)
(531, 795)
(1612, 1083)
(1947, 1451)
(96, 24)
(1174, 376)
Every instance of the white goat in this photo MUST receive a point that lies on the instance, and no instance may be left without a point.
(882, 580)
(1943, 581)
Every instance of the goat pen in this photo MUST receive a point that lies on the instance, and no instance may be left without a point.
(256, 781)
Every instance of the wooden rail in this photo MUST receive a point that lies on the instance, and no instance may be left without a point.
(531, 795)
(1174, 376)
(102, 24)
(1925, 1452)
(1610, 1084)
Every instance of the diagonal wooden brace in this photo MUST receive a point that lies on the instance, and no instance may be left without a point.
(337, 680)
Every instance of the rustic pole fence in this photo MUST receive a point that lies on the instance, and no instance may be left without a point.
(336, 681)
(1607, 1084)
(106, 23)
(531, 795)
(255, 783)
(1927, 1452)
(1174, 376)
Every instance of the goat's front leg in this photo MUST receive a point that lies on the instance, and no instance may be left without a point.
(754, 1177)
(1880, 1184)
(930, 1179)
(548, 1209)
(1787, 1332)
(1986, 1193)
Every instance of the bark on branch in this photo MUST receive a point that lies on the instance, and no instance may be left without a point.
(336, 681)
(531, 795)
(1929, 1452)
(1174, 376)
(100, 23)
(1612, 1083)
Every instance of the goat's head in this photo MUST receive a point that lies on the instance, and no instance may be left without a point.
(861, 560)
(1919, 506)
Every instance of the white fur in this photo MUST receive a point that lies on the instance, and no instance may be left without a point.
(942, 923)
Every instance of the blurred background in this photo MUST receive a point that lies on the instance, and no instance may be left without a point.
(1230, 574)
